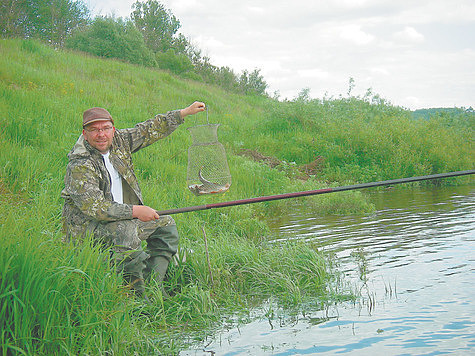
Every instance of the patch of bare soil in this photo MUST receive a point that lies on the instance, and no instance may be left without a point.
(259, 157)
(313, 168)
(306, 170)
(9, 197)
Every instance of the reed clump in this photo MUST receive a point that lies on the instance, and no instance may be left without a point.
(64, 299)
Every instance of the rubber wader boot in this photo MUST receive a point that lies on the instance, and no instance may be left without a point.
(161, 246)
(132, 268)
(136, 284)
(156, 268)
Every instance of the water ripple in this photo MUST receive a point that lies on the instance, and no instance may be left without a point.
(414, 258)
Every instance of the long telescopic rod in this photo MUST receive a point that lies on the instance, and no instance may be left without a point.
(312, 192)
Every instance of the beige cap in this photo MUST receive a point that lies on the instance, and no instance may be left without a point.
(96, 114)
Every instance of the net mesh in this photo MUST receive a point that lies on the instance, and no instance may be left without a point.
(208, 170)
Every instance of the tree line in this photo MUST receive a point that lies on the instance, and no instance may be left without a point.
(148, 37)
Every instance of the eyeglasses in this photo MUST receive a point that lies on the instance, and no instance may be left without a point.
(95, 130)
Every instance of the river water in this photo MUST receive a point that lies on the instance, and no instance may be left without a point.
(413, 261)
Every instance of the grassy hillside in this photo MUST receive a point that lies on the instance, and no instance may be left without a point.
(57, 298)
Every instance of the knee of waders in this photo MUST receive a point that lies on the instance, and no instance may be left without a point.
(164, 241)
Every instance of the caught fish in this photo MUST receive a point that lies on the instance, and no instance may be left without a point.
(207, 187)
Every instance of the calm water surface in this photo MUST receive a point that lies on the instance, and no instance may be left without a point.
(414, 262)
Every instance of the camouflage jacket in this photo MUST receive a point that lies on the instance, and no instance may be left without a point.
(87, 192)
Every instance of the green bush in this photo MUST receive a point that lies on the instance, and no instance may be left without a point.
(111, 38)
(176, 63)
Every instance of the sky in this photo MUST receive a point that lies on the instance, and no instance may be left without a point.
(414, 54)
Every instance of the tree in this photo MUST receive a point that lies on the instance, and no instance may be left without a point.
(49, 20)
(226, 78)
(60, 18)
(253, 82)
(13, 17)
(157, 25)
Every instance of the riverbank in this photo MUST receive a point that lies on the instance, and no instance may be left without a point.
(64, 299)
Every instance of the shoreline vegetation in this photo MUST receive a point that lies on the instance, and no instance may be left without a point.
(64, 299)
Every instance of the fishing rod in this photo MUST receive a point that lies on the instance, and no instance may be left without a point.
(313, 192)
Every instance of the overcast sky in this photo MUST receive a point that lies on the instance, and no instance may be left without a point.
(416, 54)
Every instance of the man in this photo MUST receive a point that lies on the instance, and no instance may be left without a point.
(102, 195)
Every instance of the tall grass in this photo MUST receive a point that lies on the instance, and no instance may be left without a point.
(55, 298)
(364, 139)
(64, 299)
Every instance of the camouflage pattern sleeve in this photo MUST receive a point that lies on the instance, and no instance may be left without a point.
(150, 131)
(84, 187)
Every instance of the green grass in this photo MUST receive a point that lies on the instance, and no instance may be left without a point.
(63, 299)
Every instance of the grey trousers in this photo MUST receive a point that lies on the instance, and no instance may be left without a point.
(125, 240)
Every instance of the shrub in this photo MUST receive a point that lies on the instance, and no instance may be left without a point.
(176, 63)
(110, 38)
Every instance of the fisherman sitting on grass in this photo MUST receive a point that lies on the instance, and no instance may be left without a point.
(102, 195)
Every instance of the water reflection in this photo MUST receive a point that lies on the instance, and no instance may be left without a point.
(414, 262)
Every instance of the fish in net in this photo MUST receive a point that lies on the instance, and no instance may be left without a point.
(208, 170)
